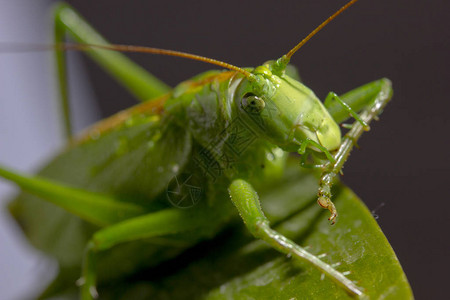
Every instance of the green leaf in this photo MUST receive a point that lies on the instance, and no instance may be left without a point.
(236, 266)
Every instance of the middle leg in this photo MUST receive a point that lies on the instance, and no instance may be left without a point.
(247, 202)
(200, 222)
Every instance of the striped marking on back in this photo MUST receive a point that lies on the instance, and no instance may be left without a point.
(151, 107)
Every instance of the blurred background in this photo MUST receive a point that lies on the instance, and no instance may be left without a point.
(400, 172)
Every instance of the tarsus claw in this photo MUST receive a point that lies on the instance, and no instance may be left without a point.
(326, 203)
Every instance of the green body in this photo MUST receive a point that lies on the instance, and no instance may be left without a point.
(202, 132)
(149, 183)
(194, 135)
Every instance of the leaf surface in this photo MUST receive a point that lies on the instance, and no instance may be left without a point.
(236, 266)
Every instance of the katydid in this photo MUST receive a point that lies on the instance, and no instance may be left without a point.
(216, 135)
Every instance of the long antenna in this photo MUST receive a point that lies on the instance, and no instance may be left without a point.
(141, 49)
(121, 48)
(282, 62)
(287, 57)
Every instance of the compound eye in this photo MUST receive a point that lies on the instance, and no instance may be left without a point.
(252, 103)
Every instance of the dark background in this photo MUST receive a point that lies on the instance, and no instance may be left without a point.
(402, 168)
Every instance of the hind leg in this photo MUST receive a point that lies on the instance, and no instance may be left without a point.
(133, 77)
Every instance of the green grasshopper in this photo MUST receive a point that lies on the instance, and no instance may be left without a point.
(215, 136)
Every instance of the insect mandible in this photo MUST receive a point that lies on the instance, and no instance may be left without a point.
(216, 129)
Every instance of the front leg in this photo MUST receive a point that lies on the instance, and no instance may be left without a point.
(333, 97)
(374, 96)
(247, 202)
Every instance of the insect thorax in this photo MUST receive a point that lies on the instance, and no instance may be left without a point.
(227, 143)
